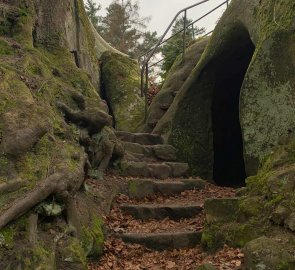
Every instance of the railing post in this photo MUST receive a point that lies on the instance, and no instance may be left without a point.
(227, 3)
(184, 36)
(146, 90)
(141, 83)
(193, 33)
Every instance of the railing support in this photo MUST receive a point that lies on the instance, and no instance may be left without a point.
(184, 35)
(147, 56)
(146, 89)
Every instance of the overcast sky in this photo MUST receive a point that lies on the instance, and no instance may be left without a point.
(163, 11)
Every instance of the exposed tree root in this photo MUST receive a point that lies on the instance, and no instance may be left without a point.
(92, 119)
(11, 186)
(62, 184)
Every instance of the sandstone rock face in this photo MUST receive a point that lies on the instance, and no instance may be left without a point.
(173, 83)
(268, 254)
(121, 87)
(50, 109)
(253, 43)
(264, 212)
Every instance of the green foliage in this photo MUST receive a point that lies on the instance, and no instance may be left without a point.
(174, 46)
(92, 9)
(149, 39)
(122, 26)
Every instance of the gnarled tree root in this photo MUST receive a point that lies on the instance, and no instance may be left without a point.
(62, 184)
(11, 186)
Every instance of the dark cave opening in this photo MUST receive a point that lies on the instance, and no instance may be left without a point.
(229, 166)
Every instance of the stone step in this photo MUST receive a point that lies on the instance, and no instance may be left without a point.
(161, 211)
(179, 169)
(164, 241)
(156, 170)
(140, 138)
(160, 151)
(140, 188)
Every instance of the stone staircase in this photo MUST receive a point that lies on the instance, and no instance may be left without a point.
(146, 155)
(152, 161)
(139, 189)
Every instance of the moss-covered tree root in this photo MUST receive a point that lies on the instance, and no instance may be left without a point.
(62, 184)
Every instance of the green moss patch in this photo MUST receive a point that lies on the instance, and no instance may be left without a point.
(121, 83)
(5, 48)
(93, 238)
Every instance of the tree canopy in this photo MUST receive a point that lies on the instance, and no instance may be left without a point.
(122, 26)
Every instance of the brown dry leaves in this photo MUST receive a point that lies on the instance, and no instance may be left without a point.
(122, 256)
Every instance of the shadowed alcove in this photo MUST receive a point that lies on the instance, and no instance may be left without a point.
(230, 70)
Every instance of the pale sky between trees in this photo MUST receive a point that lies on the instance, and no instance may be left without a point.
(163, 11)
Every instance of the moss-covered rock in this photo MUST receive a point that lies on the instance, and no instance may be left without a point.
(176, 77)
(121, 87)
(37, 257)
(265, 209)
(266, 28)
(221, 210)
(268, 254)
(49, 56)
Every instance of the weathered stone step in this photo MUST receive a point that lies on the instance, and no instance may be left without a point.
(161, 211)
(139, 188)
(163, 241)
(140, 138)
(161, 151)
(157, 170)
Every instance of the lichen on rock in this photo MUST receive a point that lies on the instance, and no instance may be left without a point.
(266, 103)
(121, 87)
(50, 79)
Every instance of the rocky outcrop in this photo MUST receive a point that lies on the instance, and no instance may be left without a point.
(244, 83)
(173, 83)
(121, 88)
(50, 109)
(261, 220)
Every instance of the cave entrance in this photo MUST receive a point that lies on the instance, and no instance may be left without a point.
(231, 67)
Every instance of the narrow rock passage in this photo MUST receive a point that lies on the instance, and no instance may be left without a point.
(170, 242)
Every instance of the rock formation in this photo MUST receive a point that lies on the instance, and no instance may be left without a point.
(54, 128)
(245, 81)
(176, 77)
(121, 88)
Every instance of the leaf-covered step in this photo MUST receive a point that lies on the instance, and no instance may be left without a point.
(140, 188)
(161, 211)
(160, 151)
(156, 170)
(164, 241)
(140, 138)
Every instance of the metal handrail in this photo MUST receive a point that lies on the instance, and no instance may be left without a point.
(148, 55)
(180, 31)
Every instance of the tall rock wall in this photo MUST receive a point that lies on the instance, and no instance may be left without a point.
(263, 30)
(121, 89)
(50, 109)
(176, 77)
